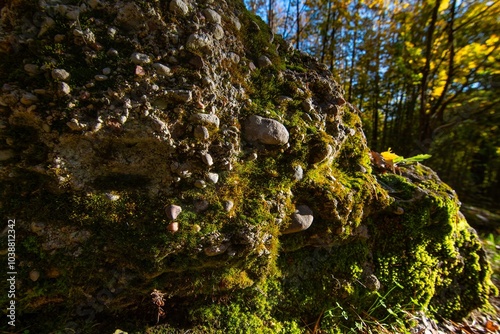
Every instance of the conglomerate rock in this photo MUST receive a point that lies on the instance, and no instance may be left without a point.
(138, 197)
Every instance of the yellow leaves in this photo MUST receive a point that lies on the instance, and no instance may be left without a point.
(492, 40)
(444, 5)
(389, 155)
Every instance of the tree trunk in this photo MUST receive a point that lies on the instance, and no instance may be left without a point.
(423, 115)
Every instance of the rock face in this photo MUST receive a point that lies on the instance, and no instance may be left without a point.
(114, 115)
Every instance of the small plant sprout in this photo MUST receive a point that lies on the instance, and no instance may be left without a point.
(389, 160)
(159, 301)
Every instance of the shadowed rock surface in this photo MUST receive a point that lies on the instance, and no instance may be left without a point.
(126, 166)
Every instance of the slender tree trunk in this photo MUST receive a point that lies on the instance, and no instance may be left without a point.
(297, 8)
(270, 14)
(324, 33)
(353, 60)
(424, 116)
(439, 106)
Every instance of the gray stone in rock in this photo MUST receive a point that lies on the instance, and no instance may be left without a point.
(236, 22)
(112, 197)
(106, 71)
(199, 42)
(173, 211)
(113, 53)
(298, 173)
(162, 69)
(201, 133)
(302, 219)
(372, 283)
(228, 205)
(321, 153)
(207, 159)
(209, 120)
(212, 16)
(266, 131)
(47, 24)
(60, 74)
(213, 177)
(28, 99)
(179, 7)
(201, 205)
(218, 32)
(235, 58)
(63, 88)
(307, 105)
(264, 61)
(75, 125)
(181, 95)
(197, 62)
(216, 249)
(140, 58)
(200, 184)
(6, 154)
(32, 69)
(100, 77)
(251, 66)
(129, 16)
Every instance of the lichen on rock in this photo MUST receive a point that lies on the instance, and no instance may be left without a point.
(185, 169)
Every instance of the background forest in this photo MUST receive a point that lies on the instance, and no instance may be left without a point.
(425, 75)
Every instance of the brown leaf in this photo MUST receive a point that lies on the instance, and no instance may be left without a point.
(491, 326)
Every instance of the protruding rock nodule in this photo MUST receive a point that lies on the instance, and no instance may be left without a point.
(302, 219)
(173, 211)
(266, 131)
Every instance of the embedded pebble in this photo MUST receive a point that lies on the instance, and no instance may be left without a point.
(372, 283)
(216, 249)
(162, 69)
(201, 205)
(207, 159)
(32, 69)
(29, 99)
(140, 58)
(265, 130)
(37, 228)
(200, 184)
(206, 119)
(173, 211)
(213, 177)
(63, 88)
(264, 61)
(101, 77)
(34, 275)
(200, 42)
(298, 173)
(218, 32)
(173, 227)
(60, 74)
(228, 205)
(201, 133)
(179, 7)
(112, 197)
(302, 219)
(212, 16)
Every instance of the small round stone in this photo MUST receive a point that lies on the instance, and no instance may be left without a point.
(173, 227)
(34, 275)
(173, 211)
(200, 184)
